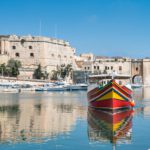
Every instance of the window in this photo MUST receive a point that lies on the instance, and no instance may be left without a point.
(22, 41)
(105, 67)
(59, 56)
(97, 67)
(88, 68)
(13, 47)
(30, 47)
(65, 56)
(111, 67)
(85, 68)
(31, 54)
(137, 68)
(120, 68)
(52, 55)
(94, 67)
(17, 54)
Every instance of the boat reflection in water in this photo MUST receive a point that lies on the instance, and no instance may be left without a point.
(114, 127)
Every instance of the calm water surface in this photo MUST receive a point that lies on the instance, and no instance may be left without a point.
(62, 121)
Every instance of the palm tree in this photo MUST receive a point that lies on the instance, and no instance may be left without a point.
(62, 72)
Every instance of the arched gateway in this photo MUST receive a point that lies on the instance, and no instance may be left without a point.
(140, 70)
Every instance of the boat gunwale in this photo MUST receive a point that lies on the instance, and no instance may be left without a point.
(101, 92)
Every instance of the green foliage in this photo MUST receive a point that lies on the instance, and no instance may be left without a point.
(38, 73)
(3, 69)
(45, 75)
(62, 72)
(54, 75)
(11, 69)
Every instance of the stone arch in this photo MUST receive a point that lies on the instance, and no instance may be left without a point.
(135, 76)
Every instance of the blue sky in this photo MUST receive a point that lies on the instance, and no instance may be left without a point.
(103, 27)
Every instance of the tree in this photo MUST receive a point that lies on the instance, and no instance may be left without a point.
(54, 75)
(69, 69)
(38, 73)
(13, 67)
(62, 72)
(45, 75)
(3, 69)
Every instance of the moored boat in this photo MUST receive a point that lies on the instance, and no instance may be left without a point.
(111, 96)
(57, 88)
(8, 87)
(10, 90)
(79, 86)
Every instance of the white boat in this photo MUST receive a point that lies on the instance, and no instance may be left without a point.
(57, 88)
(41, 89)
(51, 87)
(10, 90)
(8, 87)
(25, 87)
(79, 86)
(44, 87)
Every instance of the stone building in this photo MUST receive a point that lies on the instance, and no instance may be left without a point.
(106, 65)
(35, 50)
(137, 69)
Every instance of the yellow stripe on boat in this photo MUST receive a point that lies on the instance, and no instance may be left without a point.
(113, 127)
(110, 95)
(117, 125)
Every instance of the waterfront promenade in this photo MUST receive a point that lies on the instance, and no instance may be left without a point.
(23, 81)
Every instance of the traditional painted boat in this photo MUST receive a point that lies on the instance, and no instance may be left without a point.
(112, 96)
(114, 127)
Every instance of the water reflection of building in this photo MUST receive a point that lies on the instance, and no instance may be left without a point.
(37, 118)
(141, 93)
(138, 94)
(142, 100)
(146, 101)
(104, 126)
(146, 92)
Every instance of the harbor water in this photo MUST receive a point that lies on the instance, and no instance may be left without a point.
(63, 121)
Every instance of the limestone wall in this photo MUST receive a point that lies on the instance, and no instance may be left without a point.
(146, 71)
(31, 51)
(108, 66)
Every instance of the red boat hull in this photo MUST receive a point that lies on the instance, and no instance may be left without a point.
(111, 96)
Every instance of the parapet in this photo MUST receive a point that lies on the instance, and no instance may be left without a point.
(30, 38)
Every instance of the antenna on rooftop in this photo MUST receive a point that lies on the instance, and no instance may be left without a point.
(55, 30)
(40, 29)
